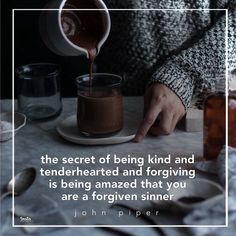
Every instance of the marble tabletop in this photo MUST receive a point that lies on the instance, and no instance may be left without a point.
(40, 138)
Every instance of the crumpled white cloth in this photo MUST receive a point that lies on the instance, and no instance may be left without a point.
(216, 215)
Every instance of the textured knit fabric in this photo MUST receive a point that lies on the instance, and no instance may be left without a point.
(183, 49)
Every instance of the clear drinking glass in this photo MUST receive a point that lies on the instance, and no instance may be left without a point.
(100, 104)
(39, 90)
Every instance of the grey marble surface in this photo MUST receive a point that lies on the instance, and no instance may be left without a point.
(41, 138)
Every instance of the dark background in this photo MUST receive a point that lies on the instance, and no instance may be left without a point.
(29, 48)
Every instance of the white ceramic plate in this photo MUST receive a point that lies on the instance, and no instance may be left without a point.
(69, 131)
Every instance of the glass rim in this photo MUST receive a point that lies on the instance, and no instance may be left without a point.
(80, 80)
(22, 74)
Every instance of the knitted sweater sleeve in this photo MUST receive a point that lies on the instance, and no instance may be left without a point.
(195, 69)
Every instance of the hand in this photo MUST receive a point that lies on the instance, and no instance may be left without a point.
(162, 103)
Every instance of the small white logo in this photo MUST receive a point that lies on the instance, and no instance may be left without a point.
(25, 219)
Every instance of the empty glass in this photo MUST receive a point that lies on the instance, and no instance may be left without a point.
(39, 90)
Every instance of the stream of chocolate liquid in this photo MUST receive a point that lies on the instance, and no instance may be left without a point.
(92, 55)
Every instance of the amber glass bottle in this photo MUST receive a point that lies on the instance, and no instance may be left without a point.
(232, 119)
(214, 132)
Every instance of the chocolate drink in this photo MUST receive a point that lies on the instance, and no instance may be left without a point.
(101, 115)
(84, 28)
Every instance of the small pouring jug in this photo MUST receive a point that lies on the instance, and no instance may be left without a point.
(57, 33)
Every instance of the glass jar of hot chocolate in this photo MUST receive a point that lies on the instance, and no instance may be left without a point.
(100, 104)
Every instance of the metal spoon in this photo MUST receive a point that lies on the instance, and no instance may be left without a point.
(22, 181)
